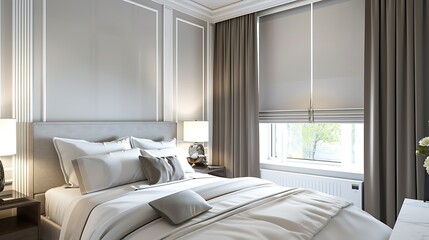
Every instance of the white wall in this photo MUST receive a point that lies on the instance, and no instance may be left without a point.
(109, 60)
(106, 60)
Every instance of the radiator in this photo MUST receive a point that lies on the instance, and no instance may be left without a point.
(350, 190)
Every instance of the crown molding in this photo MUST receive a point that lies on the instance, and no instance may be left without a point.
(223, 13)
(187, 7)
(245, 7)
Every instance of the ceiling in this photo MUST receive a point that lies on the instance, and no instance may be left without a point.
(219, 10)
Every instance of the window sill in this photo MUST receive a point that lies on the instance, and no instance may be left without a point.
(313, 169)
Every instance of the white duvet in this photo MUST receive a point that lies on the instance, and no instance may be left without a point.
(243, 208)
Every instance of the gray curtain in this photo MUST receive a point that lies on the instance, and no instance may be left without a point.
(235, 97)
(396, 113)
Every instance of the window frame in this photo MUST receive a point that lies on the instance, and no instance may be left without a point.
(318, 167)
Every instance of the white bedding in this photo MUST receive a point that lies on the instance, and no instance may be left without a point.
(59, 199)
(124, 212)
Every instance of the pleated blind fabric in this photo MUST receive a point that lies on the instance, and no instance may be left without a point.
(311, 61)
(285, 61)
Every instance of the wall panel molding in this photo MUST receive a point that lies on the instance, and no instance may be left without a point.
(168, 65)
(177, 63)
(49, 114)
(22, 77)
(157, 80)
(190, 68)
(43, 107)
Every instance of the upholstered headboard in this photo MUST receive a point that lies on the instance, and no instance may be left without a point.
(46, 171)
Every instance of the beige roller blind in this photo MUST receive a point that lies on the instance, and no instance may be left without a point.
(338, 50)
(311, 57)
(285, 62)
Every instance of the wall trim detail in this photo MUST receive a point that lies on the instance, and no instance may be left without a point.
(22, 77)
(168, 65)
(177, 64)
(157, 49)
(43, 61)
(44, 55)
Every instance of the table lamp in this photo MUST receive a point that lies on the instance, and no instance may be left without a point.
(7, 144)
(196, 132)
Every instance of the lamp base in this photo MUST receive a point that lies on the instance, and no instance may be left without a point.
(196, 155)
(198, 162)
(196, 150)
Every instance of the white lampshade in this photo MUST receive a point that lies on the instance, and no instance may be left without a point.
(7, 137)
(196, 131)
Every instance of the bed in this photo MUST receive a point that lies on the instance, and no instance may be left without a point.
(194, 206)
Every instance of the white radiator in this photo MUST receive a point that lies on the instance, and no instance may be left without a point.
(350, 190)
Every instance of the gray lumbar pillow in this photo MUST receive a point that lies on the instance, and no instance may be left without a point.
(161, 169)
(180, 207)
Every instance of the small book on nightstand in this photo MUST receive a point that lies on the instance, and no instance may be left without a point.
(11, 196)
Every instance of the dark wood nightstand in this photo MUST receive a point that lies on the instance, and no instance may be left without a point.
(218, 171)
(25, 225)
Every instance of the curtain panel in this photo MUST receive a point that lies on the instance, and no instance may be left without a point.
(235, 97)
(396, 116)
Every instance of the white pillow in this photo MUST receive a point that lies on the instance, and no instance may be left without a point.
(69, 149)
(167, 152)
(103, 171)
(143, 143)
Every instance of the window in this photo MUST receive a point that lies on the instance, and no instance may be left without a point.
(311, 83)
(335, 144)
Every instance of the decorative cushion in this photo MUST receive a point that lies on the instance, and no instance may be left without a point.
(166, 152)
(103, 171)
(180, 207)
(143, 143)
(162, 169)
(69, 149)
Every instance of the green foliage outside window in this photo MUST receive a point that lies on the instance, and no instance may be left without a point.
(315, 134)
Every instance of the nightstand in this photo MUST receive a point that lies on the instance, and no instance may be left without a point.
(25, 224)
(218, 171)
(413, 221)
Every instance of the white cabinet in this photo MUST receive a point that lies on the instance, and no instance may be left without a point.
(412, 222)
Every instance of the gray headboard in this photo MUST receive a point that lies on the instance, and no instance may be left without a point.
(46, 169)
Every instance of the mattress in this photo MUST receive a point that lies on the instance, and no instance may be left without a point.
(243, 208)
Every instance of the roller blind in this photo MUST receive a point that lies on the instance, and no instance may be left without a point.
(285, 62)
(311, 63)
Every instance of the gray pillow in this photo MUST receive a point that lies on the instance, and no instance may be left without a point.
(180, 207)
(161, 169)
